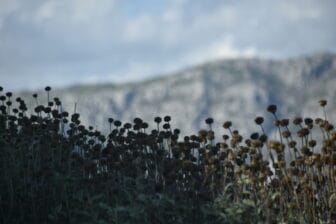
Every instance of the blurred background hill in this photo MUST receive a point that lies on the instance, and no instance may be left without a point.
(187, 58)
(236, 89)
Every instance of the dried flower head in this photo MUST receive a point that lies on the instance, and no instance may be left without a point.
(259, 120)
(297, 121)
(284, 122)
(167, 118)
(276, 123)
(209, 121)
(9, 94)
(227, 124)
(157, 120)
(272, 108)
(323, 102)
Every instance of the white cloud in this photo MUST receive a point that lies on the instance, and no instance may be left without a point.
(223, 48)
(97, 40)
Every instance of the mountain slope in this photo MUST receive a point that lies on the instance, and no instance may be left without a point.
(237, 90)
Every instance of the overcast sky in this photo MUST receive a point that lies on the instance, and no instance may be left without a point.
(62, 42)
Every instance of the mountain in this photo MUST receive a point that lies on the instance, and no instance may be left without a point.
(235, 89)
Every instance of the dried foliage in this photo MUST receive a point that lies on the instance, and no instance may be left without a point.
(53, 169)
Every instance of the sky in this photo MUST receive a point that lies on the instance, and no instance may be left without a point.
(66, 42)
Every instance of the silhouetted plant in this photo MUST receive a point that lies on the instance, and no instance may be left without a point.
(54, 169)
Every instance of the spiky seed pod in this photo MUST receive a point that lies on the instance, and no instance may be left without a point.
(272, 108)
(248, 142)
(202, 134)
(305, 150)
(144, 125)
(47, 110)
(323, 102)
(117, 123)
(328, 127)
(110, 120)
(312, 143)
(1, 88)
(237, 137)
(276, 123)
(273, 144)
(332, 135)
(227, 124)
(167, 118)
(286, 134)
(127, 126)
(223, 145)
(209, 121)
(303, 132)
(233, 143)
(225, 137)
(177, 131)
(292, 144)
(137, 121)
(259, 120)
(308, 121)
(65, 114)
(280, 148)
(157, 120)
(284, 122)
(263, 138)
(9, 94)
(254, 136)
(166, 126)
(235, 133)
(74, 117)
(256, 144)
(297, 121)
(318, 121)
(58, 103)
(48, 88)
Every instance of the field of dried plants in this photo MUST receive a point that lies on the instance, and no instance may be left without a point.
(54, 169)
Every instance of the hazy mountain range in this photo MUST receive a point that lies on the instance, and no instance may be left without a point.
(235, 89)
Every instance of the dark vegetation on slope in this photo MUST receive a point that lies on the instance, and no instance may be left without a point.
(53, 169)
